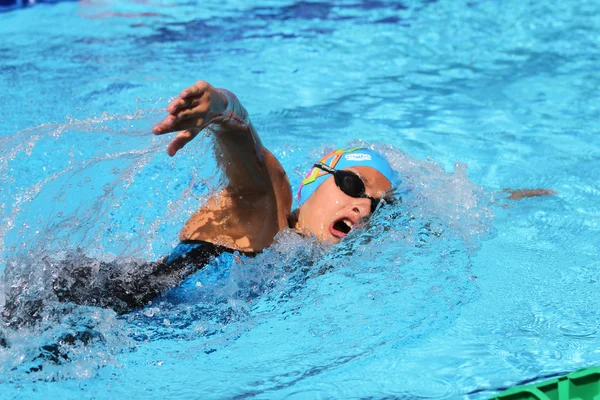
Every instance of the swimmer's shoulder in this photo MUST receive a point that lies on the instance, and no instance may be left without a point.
(245, 221)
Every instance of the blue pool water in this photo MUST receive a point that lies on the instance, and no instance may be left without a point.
(463, 295)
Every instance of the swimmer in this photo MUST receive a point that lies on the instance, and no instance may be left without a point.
(338, 194)
(256, 204)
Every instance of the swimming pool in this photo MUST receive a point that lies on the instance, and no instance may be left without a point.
(464, 295)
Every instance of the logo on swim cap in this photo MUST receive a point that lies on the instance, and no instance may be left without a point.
(345, 158)
(357, 157)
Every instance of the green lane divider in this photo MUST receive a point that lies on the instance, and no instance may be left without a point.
(583, 384)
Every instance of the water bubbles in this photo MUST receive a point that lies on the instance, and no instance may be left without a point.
(450, 201)
(151, 311)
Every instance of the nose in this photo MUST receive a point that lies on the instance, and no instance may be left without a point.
(362, 207)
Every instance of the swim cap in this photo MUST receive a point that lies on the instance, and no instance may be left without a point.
(341, 159)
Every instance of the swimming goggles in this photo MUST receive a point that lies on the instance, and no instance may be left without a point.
(351, 184)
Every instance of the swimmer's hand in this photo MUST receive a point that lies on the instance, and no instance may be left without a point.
(520, 194)
(196, 107)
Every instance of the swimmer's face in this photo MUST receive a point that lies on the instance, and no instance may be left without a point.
(329, 214)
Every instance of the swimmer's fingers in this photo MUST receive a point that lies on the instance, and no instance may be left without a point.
(197, 89)
(181, 104)
(164, 126)
(197, 119)
(189, 101)
(520, 194)
(181, 139)
(200, 111)
(197, 106)
(201, 98)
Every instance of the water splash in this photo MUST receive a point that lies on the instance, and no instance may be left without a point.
(112, 200)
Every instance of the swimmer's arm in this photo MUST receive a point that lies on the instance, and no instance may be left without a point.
(520, 194)
(241, 155)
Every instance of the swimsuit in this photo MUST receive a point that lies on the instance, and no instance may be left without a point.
(124, 286)
(120, 285)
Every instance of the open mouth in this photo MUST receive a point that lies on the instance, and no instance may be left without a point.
(341, 227)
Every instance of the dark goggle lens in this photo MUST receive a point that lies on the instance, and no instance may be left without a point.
(352, 185)
(349, 183)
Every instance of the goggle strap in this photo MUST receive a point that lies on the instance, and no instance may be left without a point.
(325, 168)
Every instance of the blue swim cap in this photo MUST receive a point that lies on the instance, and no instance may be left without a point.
(341, 159)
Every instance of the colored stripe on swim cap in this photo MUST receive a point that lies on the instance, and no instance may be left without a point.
(341, 159)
